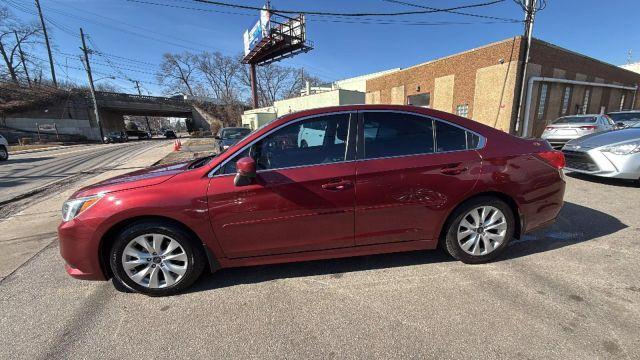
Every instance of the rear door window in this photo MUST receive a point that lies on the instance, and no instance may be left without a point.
(388, 134)
(453, 138)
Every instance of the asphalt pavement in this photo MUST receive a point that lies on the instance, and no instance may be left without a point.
(570, 291)
(28, 172)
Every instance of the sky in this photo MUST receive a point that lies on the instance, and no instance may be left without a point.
(135, 33)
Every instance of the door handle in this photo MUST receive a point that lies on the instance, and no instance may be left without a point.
(453, 169)
(337, 185)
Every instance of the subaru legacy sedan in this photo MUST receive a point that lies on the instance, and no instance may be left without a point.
(415, 179)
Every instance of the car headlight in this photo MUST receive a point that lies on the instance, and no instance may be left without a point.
(106, 138)
(225, 147)
(624, 148)
(73, 207)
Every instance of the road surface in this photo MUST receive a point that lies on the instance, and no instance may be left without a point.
(571, 291)
(25, 173)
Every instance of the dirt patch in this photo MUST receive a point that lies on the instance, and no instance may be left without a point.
(191, 149)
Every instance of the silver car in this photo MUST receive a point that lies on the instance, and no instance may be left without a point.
(571, 127)
(625, 118)
(613, 154)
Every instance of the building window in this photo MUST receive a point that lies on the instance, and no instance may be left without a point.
(462, 110)
(543, 100)
(565, 100)
(622, 99)
(585, 101)
(419, 100)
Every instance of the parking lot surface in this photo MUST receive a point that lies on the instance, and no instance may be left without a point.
(570, 291)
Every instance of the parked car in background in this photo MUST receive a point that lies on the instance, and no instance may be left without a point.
(625, 118)
(424, 178)
(4, 148)
(140, 134)
(572, 127)
(170, 134)
(613, 154)
(116, 137)
(230, 135)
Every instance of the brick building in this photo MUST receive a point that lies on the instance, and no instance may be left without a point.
(482, 84)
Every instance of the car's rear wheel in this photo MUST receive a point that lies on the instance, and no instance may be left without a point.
(156, 259)
(4, 154)
(479, 230)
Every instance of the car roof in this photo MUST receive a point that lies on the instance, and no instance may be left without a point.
(624, 112)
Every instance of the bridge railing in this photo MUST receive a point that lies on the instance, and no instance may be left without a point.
(105, 95)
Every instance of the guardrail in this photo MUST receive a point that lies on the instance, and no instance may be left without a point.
(104, 95)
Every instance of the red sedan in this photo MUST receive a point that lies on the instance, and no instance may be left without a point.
(323, 183)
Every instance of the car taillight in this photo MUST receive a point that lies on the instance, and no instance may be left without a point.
(554, 158)
(588, 127)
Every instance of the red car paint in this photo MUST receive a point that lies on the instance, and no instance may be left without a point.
(295, 214)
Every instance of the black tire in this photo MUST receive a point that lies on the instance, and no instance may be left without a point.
(4, 153)
(303, 144)
(195, 257)
(451, 244)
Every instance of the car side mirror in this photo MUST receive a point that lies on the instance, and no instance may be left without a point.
(246, 171)
(217, 137)
(620, 125)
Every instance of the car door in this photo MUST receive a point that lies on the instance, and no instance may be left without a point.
(411, 170)
(302, 199)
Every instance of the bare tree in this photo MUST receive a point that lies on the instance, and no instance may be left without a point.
(177, 73)
(13, 35)
(276, 82)
(222, 74)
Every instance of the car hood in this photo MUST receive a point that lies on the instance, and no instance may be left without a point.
(137, 179)
(605, 138)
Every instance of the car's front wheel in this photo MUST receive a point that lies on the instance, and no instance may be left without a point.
(479, 230)
(156, 259)
(4, 154)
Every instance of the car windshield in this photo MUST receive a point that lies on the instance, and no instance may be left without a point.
(620, 117)
(234, 133)
(115, 134)
(636, 125)
(575, 120)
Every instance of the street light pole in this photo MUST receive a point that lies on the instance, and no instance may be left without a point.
(92, 88)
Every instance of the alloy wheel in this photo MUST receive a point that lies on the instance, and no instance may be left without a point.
(155, 261)
(482, 230)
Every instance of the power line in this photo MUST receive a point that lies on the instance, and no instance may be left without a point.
(453, 11)
(415, 12)
(64, 13)
(336, 19)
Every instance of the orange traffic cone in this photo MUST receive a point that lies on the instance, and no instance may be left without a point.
(176, 145)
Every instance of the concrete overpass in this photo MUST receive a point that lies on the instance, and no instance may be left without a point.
(76, 115)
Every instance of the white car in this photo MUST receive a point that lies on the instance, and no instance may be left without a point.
(566, 128)
(4, 148)
(311, 134)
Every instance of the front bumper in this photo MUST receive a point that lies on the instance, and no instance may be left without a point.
(599, 163)
(80, 250)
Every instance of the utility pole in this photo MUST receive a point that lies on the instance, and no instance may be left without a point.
(24, 64)
(46, 40)
(87, 67)
(530, 12)
(140, 93)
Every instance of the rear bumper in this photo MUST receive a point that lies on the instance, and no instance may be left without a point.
(80, 251)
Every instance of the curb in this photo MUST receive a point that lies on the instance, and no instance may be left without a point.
(18, 152)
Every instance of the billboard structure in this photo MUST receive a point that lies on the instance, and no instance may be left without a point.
(272, 38)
